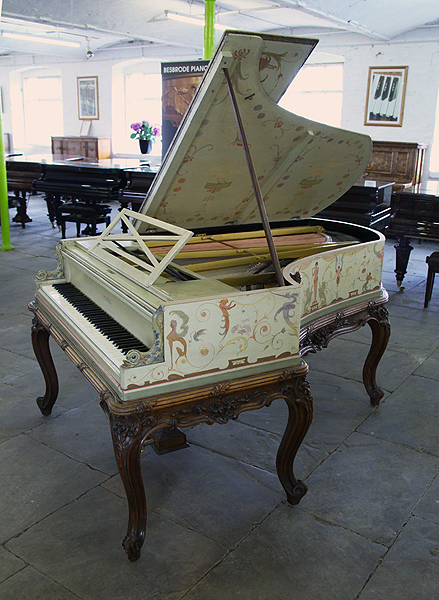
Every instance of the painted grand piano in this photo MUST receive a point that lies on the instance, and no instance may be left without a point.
(223, 281)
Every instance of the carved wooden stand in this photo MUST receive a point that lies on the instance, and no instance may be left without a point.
(133, 422)
(317, 336)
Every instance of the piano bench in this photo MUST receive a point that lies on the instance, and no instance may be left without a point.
(91, 215)
(433, 267)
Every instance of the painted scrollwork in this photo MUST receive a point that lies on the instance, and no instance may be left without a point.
(52, 275)
(134, 358)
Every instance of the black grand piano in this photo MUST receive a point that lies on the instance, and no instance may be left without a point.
(414, 214)
(20, 176)
(78, 192)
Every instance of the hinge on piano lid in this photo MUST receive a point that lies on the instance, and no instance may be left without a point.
(117, 249)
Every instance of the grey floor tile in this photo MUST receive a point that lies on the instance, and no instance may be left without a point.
(37, 480)
(237, 440)
(9, 564)
(19, 412)
(292, 556)
(369, 486)
(409, 416)
(430, 367)
(79, 547)
(74, 389)
(428, 507)
(82, 433)
(405, 335)
(13, 366)
(211, 494)
(410, 570)
(29, 584)
(340, 406)
(15, 334)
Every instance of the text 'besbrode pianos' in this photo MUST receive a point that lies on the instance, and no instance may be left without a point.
(202, 310)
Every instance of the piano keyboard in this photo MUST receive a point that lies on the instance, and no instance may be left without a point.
(119, 337)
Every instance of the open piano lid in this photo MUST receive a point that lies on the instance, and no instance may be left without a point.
(302, 166)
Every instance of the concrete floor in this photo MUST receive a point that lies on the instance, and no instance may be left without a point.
(219, 527)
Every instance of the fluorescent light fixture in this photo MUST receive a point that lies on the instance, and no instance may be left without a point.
(36, 38)
(193, 20)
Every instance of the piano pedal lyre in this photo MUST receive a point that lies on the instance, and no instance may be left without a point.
(168, 439)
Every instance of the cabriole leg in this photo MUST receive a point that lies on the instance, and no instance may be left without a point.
(300, 412)
(40, 344)
(380, 326)
(127, 435)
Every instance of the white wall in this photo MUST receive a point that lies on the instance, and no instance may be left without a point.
(422, 59)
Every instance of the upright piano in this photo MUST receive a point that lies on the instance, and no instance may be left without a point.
(205, 307)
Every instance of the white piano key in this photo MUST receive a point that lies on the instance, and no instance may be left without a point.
(88, 332)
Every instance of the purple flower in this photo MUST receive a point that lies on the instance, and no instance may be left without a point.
(144, 131)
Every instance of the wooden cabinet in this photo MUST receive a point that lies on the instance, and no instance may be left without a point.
(398, 162)
(88, 147)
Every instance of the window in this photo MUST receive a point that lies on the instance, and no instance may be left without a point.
(43, 116)
(143, 103)
(317, 93)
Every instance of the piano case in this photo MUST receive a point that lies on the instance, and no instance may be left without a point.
(181, 340)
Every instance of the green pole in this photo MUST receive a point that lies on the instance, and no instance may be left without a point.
(209, 29)
(4, 208)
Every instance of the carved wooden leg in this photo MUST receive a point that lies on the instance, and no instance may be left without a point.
(40, 344)
(380, 326)
(127, 435)
(300, 412)
(403, 250)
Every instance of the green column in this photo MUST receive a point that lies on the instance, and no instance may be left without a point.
(4, 208)
(209, 30)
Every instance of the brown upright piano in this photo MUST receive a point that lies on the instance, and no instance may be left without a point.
(205, 308)
(398, 162)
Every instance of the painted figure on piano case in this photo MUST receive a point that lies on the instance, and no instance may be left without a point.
(177, 338)
(224, 308)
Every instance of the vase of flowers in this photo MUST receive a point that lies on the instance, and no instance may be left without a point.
(146, 134)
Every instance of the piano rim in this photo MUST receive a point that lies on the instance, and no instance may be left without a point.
(313, 336)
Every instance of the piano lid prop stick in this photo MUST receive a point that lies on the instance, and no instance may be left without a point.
(255, 183)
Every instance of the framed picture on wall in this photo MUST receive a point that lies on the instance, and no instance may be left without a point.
(386, 88)
(88, 100)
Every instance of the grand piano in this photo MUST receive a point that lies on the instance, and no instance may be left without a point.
(20, 177)
(205, 307)
(76, 189)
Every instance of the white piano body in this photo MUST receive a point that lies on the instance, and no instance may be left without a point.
(172, 341)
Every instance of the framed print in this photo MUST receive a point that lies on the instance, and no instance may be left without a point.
(386, 88)
(88, 101)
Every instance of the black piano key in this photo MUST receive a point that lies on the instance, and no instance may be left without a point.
(111, 329)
